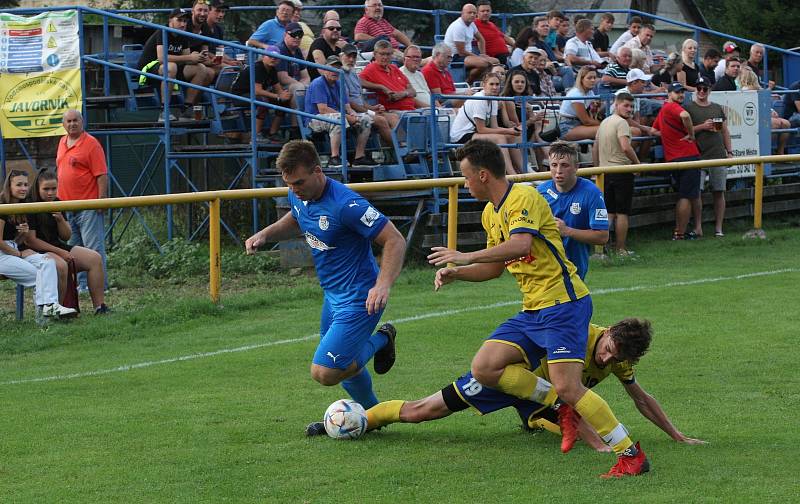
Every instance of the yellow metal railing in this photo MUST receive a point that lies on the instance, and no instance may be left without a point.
(215, 198)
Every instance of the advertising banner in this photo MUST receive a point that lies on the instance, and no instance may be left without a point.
(39, 73)
(742, 113)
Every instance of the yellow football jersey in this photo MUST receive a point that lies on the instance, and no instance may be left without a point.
(592, 373)
(545, 276)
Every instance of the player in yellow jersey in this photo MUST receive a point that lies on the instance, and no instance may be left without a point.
(523, 237)
(611, 351)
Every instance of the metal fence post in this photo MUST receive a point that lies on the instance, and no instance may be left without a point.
(452, 216)
(758, 196)
(214, 252)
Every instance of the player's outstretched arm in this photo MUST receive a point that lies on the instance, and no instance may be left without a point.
(650, 409)
(471, 273)
(394, 248)
(284, 228)
(519, 245)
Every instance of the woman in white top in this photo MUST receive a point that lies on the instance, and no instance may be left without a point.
(575, 120)
(478, 119)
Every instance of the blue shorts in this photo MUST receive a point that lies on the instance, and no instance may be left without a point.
(466, 391)
(344, 332)
(560, 332)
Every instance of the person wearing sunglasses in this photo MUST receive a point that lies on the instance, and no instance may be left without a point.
(714, 141)
(325, 46)
(291, 75)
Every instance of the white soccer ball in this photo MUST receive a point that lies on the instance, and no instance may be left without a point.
(345, 419)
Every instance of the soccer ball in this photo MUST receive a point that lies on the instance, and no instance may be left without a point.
(345, 419)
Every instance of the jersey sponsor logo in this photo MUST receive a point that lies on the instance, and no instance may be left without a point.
(561, 350)
(323, 222)
(370, 216)
(552, 194)
(522, 218)
(528, 259)
(333, 357)
(351, 205)
(525, 212)
(601, 214)
(575, 208)
(315, 243)
(296, 209)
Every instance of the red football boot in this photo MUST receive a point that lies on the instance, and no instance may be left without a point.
(568, 422)
(629, 465)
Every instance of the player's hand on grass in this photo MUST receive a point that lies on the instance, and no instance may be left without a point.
(377, 297)
(252, 244)
(690, 441)
(443, 277)
(443, 255)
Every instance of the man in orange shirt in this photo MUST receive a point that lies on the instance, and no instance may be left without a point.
(82, 175)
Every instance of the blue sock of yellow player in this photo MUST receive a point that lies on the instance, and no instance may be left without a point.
(360, 389)
(596, 412)
(385, 413)
(373, 344)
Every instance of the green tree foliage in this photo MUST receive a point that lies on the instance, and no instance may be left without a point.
(7, 4)
(774, 22)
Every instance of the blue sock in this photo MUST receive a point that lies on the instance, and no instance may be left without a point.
(360, 389)
(373, 344)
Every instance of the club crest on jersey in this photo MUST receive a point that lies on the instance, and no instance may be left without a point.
(323, 222)
(575, 208)
(315, 243)
(370, 216)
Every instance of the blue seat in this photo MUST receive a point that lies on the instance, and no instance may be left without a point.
(229, 114)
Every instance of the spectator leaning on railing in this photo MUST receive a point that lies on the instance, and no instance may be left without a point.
(383, 121)
(613, 146)
(322, 98)
(714, 142)
(498, 44)
(677, 138)
(392, 87)
(271, 31)
(459, 38)
(373, 27)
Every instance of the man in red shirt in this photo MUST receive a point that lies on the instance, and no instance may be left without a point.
(438, 78)
(394, 90)
(677, 138)
(498, 44)
(373, 25)
(82, 175)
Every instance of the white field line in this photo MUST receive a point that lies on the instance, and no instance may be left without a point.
(444, 313)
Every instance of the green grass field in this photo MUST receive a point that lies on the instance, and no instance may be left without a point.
(174, 400)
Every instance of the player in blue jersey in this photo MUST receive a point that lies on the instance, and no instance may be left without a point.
(340, 226)
(577, 205)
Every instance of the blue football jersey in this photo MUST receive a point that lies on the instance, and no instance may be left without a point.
(339, 227)
(582, 207)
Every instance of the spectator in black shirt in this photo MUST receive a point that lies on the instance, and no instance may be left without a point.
(600, 40)
(710, 60)
(728, 81)
(184, 64)
(324, 46)
(197, 24)
(216, 16)
(267, 88)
